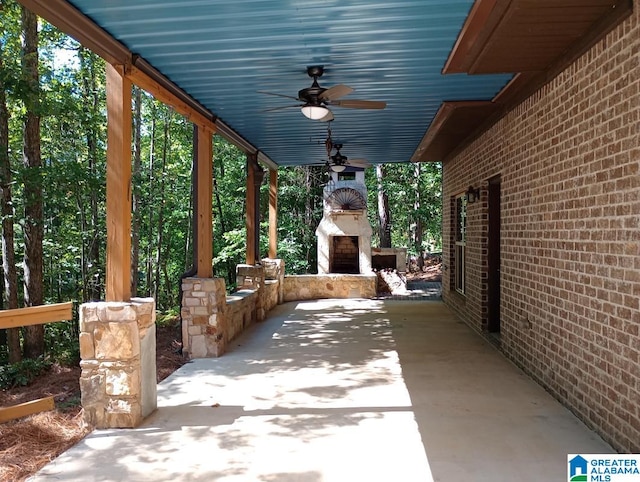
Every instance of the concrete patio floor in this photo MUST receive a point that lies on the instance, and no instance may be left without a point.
(343, 390)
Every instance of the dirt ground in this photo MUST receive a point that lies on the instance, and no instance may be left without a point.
(27, 444)
(431, 271)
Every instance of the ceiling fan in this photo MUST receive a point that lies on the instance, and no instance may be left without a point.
(338, 162)
(316, 100)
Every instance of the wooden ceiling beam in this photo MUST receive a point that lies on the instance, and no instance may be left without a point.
(153, 87)
(70, 20)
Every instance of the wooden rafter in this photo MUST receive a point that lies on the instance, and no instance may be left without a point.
(154, 88)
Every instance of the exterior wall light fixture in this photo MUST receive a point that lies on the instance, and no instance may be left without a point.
(473, 195)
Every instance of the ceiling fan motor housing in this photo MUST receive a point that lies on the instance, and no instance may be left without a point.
(311, 95)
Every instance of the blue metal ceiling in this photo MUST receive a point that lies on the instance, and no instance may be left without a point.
(222, 52)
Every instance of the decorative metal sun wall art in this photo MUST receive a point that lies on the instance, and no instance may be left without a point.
(347, 199)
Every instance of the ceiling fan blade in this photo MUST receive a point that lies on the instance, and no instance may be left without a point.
(336, 92)
(359, 104)
(358, 163)
(317, 164)
(282, 107)
(328, 117)
(277, 95)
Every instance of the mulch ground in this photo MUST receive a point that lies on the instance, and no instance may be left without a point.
(28, 444)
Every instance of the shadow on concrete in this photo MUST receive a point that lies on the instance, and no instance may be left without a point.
(343, 390)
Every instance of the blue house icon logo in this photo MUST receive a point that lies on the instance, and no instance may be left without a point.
(578, 469)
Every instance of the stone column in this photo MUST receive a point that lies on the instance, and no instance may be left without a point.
(118, 352)
(204, 323)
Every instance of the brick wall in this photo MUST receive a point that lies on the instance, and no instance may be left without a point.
(569, 160)
(344, 255)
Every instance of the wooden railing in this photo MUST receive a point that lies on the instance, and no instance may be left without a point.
(35, 315)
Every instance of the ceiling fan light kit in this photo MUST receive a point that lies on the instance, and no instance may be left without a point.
(338, 167)
(317, 100)
(314, 112)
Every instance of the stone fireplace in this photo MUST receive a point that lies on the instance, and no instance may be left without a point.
(344, 233)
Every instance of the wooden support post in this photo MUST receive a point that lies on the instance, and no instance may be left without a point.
(204, 204)
(251, 255)
(118, 184)
(255, 175)
(273, 213)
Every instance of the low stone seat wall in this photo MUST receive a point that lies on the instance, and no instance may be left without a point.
(240, 311)
(211, 318)
(318, 286)
(271, 291)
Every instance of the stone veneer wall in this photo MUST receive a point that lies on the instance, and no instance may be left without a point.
(271, 294)
(274, 272)
(211, 318)
(250, 277)
(118, 352)
(204, 321)
(318, 286)
(241, 311)
(569, 162)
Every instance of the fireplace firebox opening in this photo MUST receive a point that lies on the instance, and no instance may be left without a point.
(344, 255)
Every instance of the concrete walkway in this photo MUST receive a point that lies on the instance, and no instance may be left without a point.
(343, 390)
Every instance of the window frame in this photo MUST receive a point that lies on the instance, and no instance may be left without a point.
(460, 242)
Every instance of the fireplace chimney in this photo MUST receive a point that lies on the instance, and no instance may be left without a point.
(344, 233)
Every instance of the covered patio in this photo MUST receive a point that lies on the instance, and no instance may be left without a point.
(536, 124)
(343, 390)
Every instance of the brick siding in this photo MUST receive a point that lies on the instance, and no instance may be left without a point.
(569, 160)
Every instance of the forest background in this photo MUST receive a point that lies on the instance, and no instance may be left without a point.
(52, 195)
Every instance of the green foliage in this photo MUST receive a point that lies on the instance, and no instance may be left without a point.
(61, 340)
(299, 213)
(411, 199)
(22, 373)
(167, 318)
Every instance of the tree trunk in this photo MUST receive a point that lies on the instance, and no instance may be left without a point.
(418, 225)
(33, 222)
(8, 253)
(91, 104)
(188, 257)
(161, 206)
(308, 216)
(231, 274)
(152, 143)
(384, 217)
(135, 215)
